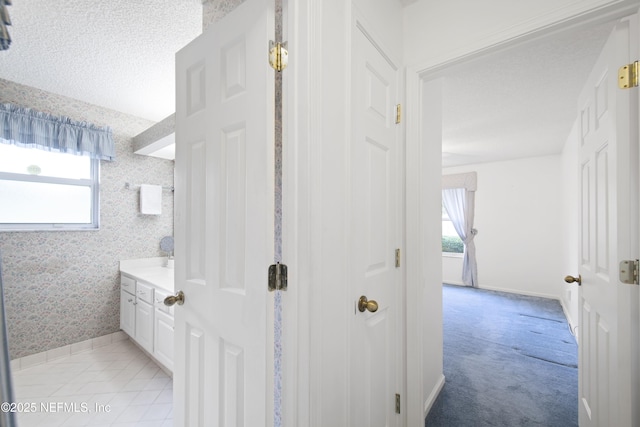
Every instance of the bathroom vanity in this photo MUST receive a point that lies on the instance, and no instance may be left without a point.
(144, 284)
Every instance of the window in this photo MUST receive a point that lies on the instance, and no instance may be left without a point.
(44, 190)
(451, 242)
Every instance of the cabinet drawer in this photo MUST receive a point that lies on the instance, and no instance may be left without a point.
(128, 284)
(144, 292)
(158, 298)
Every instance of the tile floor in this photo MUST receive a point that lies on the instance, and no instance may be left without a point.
(116, 385)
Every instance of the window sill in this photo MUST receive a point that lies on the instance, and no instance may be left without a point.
(40, 229)
(452, 255)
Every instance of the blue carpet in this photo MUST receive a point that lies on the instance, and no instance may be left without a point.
(509, 360)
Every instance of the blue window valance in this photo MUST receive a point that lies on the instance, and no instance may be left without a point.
(29, 128)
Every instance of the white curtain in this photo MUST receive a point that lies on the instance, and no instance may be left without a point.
(458, 199)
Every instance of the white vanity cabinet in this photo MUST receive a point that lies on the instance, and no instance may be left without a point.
(163, 330)
(143, 315)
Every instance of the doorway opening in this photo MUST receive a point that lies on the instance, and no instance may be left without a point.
(510, 116)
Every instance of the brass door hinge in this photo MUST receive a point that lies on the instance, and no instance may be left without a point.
(277, 277)
(397, 258)
(628, 76)
(629, 272)
(398, 113)
(278, 55)
(397, 403)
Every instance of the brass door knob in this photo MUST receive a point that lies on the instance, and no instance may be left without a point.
(364, 304)
(174, 299)
(571, 279)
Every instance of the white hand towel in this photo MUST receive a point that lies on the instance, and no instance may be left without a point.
(150, 199)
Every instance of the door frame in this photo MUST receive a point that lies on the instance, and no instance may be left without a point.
(422, 79)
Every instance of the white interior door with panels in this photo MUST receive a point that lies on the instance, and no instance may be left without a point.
(608, 337)
(224, 222)
(375, 335)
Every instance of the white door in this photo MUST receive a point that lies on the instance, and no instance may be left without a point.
(224, 221)
(606, 344)
(375, 337)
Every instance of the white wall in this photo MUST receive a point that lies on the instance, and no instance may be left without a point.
(452, 267)
(570, 223)
(519, 221)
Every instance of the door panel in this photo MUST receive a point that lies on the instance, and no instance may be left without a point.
(223, 223)
(374, 203)
(163, 339)
(605, 366)
(144, 325)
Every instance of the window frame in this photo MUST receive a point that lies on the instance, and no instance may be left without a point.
(445, 217)
(93, 183)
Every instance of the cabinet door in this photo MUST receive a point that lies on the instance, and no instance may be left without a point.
(127, 313)
(144, 325)
(163, 339)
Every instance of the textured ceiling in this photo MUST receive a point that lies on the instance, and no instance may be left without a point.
(120, 54)
(518, 103)
(117, 54)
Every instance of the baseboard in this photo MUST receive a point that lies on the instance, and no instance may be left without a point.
(452, 282)
(507, 290)
(573, 326)
(431, 399)
(519, 292)
(67, 350)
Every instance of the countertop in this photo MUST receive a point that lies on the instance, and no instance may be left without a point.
(151, 271)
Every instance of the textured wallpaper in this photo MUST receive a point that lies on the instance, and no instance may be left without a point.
(215, 10)
(62, 287)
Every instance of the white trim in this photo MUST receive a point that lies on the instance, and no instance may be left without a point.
(302, 202)
(543, 25)
(431, 399)
(454, 283)
(414, 265)
(519, 292)
(452, 254)
(572, 325)
(93, 183)
(296, 373)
